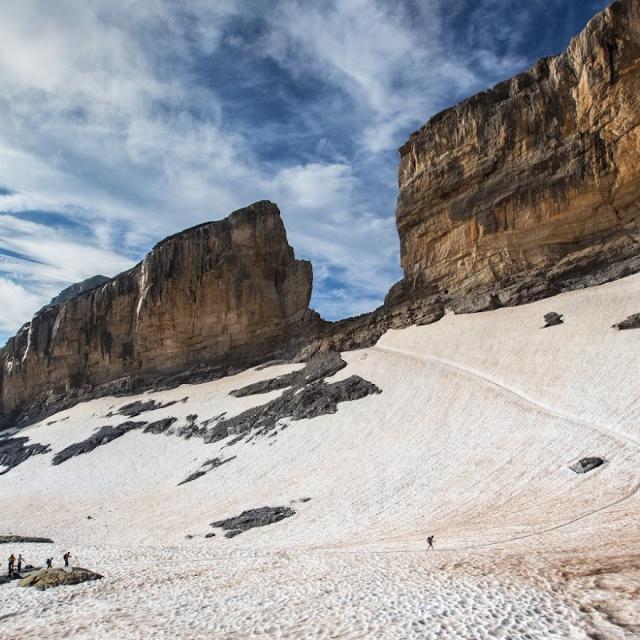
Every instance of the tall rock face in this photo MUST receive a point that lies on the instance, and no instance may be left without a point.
(222, 292)
(531, 187)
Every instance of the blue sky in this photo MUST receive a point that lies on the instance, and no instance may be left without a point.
(123, 122)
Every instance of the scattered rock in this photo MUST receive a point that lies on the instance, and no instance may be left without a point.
(253, 518)
(322, 366)
(14, 451)
(587, 464)
(47, 578)
(632, 322)
(159, 426)
(552, 319)
(134, 409)
(104, 435)
(25, 539)
(306, 395)
(205, 468)
(210, 535)
(189, 536)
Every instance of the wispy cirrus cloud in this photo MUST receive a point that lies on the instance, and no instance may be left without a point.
(121, 123)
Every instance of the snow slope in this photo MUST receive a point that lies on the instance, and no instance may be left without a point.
(470, 440)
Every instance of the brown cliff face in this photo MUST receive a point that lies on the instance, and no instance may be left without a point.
(221, 292)
(531, 187)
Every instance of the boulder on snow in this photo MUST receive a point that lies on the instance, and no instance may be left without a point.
(632, 322)
(25, 539)
(587, 464)
(253, 518)
(47, 578)
(552, 319)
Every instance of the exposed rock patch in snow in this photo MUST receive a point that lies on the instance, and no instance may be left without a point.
(632, 322)
(251, 518)
(14, 451)
(584, 465)
(24, 539)
(552, 319)
(206, 466)
(133, 409)
(103, 435)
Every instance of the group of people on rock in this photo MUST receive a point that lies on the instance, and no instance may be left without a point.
(16, 564)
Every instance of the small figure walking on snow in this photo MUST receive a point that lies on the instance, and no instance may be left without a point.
(20, 561)
(49, 563)
(430, 541)
(12, 561)
(66, 557)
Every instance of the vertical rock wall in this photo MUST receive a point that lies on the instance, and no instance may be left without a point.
(214, 293)
(533, 186)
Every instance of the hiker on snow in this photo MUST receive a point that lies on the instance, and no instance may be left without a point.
(66, 557)
(12, 561)
(20, 561)
(49, 563)
(430, 541)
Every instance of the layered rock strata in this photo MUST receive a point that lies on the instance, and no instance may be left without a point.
(531, 187)
(221, 293)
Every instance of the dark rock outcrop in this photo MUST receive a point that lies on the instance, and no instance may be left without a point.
(14, 451)
(25, 539)
(552, 319)
(307, 396)
(160, 426)
(532, 187)
(103, 435)
(133, 409)
(587, 464)
(222, 294)
(632, 322)
(253, 518)
(47, 578)
(207, 466)
(78, 288)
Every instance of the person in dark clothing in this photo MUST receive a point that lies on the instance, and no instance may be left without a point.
(66, 557)
(49, 563)
(430, 541)
(20, 561)
(12, 561)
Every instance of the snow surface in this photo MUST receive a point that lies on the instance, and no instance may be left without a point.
(471, 440)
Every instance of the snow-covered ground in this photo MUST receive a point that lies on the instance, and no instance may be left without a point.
(470, 440)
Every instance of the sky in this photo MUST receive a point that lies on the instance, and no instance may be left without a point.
(122, 122)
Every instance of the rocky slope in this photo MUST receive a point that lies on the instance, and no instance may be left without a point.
(218, 294)
(531, 187)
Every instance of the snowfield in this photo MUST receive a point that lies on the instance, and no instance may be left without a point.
(471, 440)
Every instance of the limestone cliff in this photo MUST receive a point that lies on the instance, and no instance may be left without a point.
(221, 292)
(531, 187)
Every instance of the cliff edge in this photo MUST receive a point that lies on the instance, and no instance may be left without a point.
(221, 293)
(531, 187)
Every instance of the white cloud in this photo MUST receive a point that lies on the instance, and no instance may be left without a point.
(17, 304)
